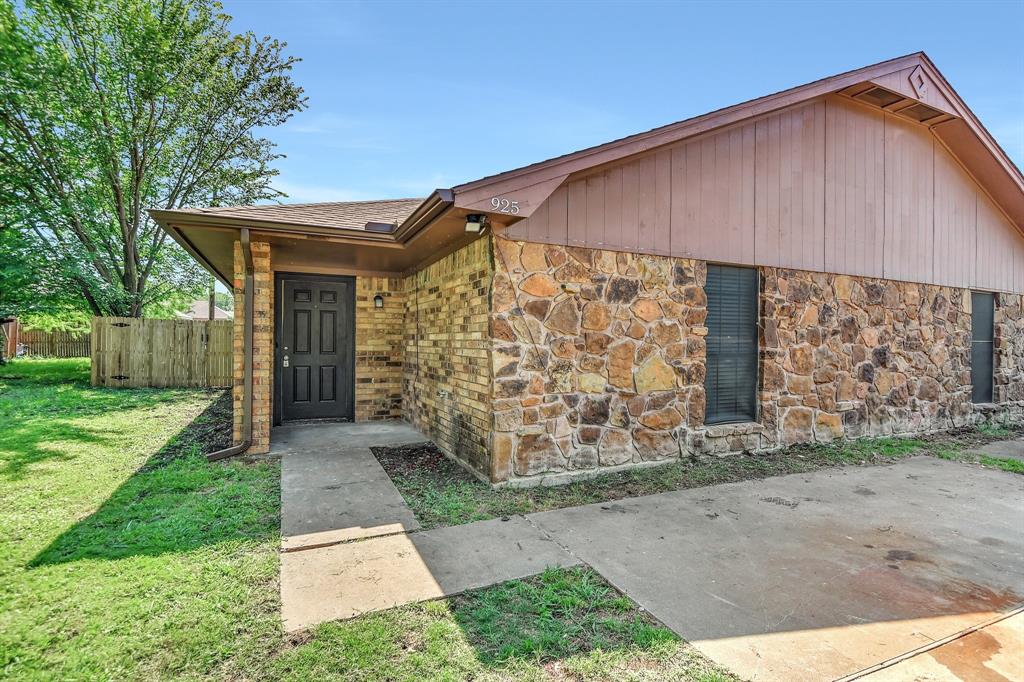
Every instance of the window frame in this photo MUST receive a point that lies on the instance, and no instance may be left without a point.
(755, 387)
(991, 297)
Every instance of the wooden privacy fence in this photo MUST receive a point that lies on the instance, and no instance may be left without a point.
(134, 353)
(52, 344)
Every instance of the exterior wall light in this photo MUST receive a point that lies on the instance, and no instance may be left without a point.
(378, 301)
(475, 222)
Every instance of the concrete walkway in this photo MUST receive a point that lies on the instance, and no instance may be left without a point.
(803, 577)
(332, 487)
(346, 580)
(346, 543)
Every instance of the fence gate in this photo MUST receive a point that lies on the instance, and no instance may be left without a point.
(134, 353)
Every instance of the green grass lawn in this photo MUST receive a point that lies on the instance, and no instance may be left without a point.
(124, 554)
(441, 493)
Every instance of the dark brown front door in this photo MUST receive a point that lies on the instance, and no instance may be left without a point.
(316, 347)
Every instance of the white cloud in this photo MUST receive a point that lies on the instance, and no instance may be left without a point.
(337, 132)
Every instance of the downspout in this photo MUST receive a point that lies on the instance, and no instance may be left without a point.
(247, 359)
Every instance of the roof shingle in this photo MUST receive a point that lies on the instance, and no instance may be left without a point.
(351, 215)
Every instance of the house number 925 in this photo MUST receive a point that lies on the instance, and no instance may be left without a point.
(503, 205)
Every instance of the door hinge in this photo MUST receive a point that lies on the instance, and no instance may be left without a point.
(120, 377)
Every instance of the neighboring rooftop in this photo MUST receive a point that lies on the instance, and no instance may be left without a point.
(200, 310)
(350, 215)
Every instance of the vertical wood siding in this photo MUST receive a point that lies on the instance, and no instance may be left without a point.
(790, 183)
(854, 190)
(829, 185)
(956, 219)
(908, 201)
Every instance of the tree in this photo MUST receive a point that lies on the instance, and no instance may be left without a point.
(109, 107)
(31, 288)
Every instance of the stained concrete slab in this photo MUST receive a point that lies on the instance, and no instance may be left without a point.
(332, 487)
(346, 580)
(995, 652)
(1004, 449)
(813, 576)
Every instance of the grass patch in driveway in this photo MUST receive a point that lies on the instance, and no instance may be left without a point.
(565, 624)
(560, 613)
(442, 493)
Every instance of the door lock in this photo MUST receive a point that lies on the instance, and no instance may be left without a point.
(284, 362)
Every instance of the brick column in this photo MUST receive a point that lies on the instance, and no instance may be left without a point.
(263, 345)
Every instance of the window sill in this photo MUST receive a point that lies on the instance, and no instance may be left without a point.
(734, 429)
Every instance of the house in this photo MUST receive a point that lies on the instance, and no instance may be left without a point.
(842, 259)
(200, 310)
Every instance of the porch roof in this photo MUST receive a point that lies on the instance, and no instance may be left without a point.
(342, 215)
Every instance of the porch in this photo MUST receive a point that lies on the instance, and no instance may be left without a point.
(358, 314)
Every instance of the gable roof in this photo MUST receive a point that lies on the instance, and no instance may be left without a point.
(427, 229)
(957, 128)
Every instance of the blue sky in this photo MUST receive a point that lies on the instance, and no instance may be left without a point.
(407, 97)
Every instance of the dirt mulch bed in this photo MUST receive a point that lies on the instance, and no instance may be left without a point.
(210, 431)
(442, 493)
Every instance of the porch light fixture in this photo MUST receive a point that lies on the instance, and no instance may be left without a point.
(475, 222)
(378, 301)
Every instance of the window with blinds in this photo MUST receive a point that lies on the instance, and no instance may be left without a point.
(982, 318)
(731, 379)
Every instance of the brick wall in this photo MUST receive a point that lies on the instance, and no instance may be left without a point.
(379, 348)
(599, 360)
(263, 345)
(446, 377)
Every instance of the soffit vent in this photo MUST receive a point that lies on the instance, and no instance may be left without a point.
(920, 113)
(880, 97)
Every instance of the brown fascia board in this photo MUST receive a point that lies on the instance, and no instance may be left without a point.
(472, 195)
(979, 129)
(168, 217)
(433, 207)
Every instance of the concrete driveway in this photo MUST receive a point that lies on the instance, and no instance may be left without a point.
(816, 576)
(833, 574)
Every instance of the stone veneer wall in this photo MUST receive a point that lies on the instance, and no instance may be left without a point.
(599, 360)
(380, 348)
(446, 375)
(853, 356)
(1009, 350)
(263, 345)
